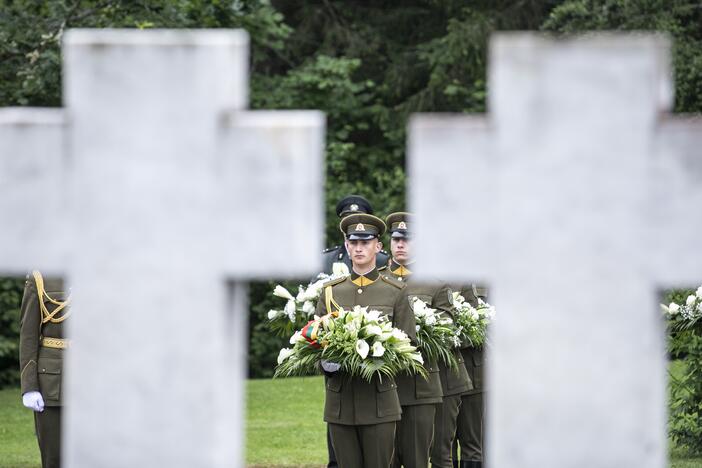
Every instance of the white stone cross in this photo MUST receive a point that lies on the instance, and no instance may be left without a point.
(159, 196)
(577, 200)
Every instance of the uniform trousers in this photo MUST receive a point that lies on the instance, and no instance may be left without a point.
(48, 427)
(445, 431)
(415, 432)
(330, 450)
(365, 446)
(469, 431)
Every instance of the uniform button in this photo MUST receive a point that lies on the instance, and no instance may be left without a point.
(360, 291)
(400, 278)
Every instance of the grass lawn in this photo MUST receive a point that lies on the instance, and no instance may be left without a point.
(284, 420)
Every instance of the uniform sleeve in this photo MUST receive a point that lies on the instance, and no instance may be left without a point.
(29, 337)
(468, 294)
(443, 300)
(321, 307)
(403, 317)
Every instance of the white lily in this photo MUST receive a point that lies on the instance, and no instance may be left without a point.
(377, 350)
(284, 354)
(362, 348)
(282, 292)
(273, 314)
(373, 330)
(297, 336)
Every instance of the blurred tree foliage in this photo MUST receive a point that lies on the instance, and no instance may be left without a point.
(368, 64)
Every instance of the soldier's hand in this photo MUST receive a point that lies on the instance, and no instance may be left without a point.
(329, 366)
(33, 400)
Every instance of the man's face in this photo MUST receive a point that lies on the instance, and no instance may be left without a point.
(401, 249)
(362, 252)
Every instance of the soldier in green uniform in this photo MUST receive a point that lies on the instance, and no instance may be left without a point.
(350, 204)
(362, 415)
(443, 381)
(42, 344)
(469, 434)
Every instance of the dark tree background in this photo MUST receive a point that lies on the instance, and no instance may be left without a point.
(368, 64)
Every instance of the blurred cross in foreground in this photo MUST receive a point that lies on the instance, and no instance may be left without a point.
(576, 199)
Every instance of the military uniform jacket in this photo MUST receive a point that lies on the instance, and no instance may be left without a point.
(354, 401)
(473, 357)
(442, 381)
(338, 253)
(41, 366)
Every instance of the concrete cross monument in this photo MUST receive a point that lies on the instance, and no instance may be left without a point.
(577, 200)
(158, 196)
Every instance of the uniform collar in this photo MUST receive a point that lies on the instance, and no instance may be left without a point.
(365, 280)
(399, 270)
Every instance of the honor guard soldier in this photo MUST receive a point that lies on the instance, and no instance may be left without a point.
(362, 415)
(350, 204)
(424, 413)
(42, 345)
(469, 431)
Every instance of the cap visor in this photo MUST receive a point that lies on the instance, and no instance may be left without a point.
(399, 235)
(360, 236)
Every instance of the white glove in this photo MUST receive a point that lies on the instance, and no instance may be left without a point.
(329, 366)
(33, 401)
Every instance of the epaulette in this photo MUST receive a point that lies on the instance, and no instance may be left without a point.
(393, 281)
(334, 281)
(330, 249)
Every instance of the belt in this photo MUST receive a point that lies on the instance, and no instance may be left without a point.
(58, 343)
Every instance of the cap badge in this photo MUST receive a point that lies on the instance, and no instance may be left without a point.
(402, 225)
(360, 227)
(353, 207)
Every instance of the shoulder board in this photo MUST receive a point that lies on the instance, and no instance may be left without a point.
(334, 281)
(330, 249)
(393, 281)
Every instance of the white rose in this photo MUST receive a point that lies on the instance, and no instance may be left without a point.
(417, 357)
(284, 354)
(378, 349)
(362, 348)
(340, 269)
(373, 330)
(308, 307)
(431, 319)
(282, 292)
(290, 310)
(691, 300)
(358, 310)
(399, 334)
(673, 308)
(273, 314)
(373, 315)
(699, 292)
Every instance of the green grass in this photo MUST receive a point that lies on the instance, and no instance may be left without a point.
(284, 427)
